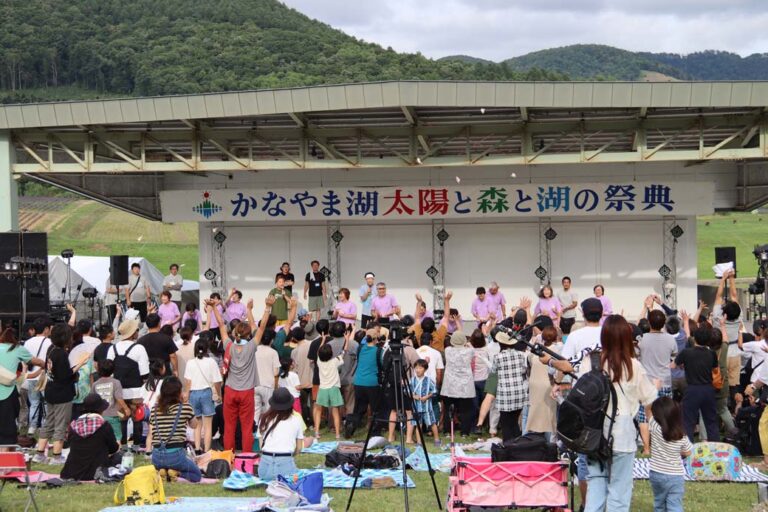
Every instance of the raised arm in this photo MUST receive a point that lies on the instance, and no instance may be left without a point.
(446, 309)
(264, 319)
(647, 306)
(292, 304)
(416, 312)
(525, 305)
(72, 315)
(732, 291)
(231, 294)
(212, 306)
(721, 288)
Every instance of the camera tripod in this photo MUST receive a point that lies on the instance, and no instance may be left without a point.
(401, 388)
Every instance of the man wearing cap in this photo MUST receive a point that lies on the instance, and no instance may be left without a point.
(497, 302)
(366, 297)
(127, 345)
(92, 442)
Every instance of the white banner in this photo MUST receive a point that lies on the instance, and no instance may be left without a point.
(625, 199)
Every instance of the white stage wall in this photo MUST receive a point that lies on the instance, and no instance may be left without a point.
(623, 255)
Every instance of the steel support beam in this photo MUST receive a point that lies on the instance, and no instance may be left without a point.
(334, 265)
(438, 261)
(9, 202)
(669, 285)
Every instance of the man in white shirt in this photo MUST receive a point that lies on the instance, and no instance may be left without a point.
(267, 371)
(173, 283)
(569, 302)
(88, 345)
(38, 345)
(128, 333)
(137, 292)
(433, 358)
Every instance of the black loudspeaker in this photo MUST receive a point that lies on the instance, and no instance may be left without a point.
(118, 270)
(23, 266)
(725, 254)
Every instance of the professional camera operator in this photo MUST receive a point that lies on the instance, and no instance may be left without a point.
(398, 351)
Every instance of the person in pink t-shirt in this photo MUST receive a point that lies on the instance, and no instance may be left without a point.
(383, 306)
(345, 310)
(605, 301)
(481, 306)
(168, 311)
(497, 300)
(548, 304)
(235, 308)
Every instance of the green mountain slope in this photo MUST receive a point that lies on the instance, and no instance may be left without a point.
(148, 47)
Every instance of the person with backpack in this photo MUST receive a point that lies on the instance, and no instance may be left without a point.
(167, 432)
(612, 392)
(366, 380)
(131, 369)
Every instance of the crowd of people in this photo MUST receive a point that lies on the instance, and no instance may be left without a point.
(226, 376)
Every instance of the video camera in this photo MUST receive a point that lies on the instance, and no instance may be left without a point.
(536, 348)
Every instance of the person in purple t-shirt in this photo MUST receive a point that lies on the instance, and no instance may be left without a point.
(421, 310)
(168, 311)
(605, 301)
(384, 307)
(236, 309)
(548, 304)
(345, 310)
(497, 300)
(481, 306)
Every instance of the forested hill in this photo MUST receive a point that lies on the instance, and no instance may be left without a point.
(592, 61)
(147, 47)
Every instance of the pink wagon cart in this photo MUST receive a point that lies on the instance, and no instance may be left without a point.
(478, 482)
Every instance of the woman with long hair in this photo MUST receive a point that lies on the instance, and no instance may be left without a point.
(203, 380)
(282, 436)
(12, 354)
(610, 483)
(167, 432)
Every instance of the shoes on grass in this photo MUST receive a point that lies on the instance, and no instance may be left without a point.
(39, 458)
(57, 460)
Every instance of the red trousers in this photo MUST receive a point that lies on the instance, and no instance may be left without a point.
(238, 405)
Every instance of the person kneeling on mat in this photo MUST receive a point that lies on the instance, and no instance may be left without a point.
(282, 436)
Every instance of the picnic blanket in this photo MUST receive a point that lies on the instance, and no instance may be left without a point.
(332, 478)
(42, 476)
(198, 505)
(323, 448)
(440, 461)
(641, 471)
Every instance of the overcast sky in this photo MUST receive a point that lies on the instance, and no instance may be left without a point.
(498, 29)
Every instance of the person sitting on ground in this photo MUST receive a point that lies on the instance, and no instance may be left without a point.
(110, 390)
(282, 436)
(92, 442)
(167, 432)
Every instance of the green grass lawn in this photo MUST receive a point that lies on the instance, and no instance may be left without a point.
(701, 497)
(740, 230)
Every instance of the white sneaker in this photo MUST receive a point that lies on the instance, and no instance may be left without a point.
(31, 431)
(39, 458)
(57, 460)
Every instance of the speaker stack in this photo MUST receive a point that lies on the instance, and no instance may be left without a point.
(23, 276)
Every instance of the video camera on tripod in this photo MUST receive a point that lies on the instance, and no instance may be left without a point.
(537, 349)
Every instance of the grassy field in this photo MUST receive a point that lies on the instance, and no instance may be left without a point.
(96, 230)
(740, 230)
(702, 497)
(93, 229)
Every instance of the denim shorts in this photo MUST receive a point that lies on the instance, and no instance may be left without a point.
(270, 467)
(201, 401)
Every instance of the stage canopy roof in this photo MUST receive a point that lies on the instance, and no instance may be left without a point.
(97, 147)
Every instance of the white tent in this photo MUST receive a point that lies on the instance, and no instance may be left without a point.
(95, 270)
(57, 280)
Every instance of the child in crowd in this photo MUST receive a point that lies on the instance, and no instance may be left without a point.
(424, 389)
(289, 380)
(669, 445)
(110, 390)
(203, 380)
(329, 395)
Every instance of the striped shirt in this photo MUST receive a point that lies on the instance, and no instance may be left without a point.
(666, 456)
(162, 429)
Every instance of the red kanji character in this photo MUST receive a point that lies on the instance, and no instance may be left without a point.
(398, 203)
(433, 201)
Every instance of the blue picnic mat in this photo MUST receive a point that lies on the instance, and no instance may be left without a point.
(321, 448)
(440, 461)
(197, 505)
(332, 478)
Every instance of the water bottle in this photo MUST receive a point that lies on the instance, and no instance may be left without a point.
(127, 462)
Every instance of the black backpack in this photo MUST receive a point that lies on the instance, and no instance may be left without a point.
(532, 446)
(218, 469)
(748, 438)
(126, 369)
(581, 416)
